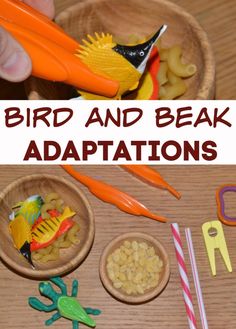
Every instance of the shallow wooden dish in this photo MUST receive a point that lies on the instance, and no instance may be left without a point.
(140, 17)
(73, 197)
(149, 294)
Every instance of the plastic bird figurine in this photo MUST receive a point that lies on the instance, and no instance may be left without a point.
(29, 209)
(20, 230)
(48, 230)
(122, 63)
(66, 306)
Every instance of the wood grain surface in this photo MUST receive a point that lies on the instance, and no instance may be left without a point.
(197, 205)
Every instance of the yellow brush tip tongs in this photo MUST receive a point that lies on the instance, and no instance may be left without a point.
(51, 49)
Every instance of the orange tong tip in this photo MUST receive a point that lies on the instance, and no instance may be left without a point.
(157, 218)
(174, 192)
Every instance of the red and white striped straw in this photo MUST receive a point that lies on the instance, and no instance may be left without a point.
(183, 276)
(196, 279)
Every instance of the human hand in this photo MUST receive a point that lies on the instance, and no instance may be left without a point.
(15, 63)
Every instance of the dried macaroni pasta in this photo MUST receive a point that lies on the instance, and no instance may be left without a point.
(171, 73)
(52, 201)
(52, 252)
(176, 66)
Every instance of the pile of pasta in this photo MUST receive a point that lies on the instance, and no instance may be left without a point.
(70, 237)
(172, 73)
(134, 267)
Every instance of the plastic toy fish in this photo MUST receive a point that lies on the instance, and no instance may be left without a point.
(30, 209)
(48, 230)
(123, 63)
(65, 306)
(20, 231)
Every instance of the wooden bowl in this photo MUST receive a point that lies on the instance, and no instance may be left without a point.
(73, 197)
(148, 294)
(138, 17)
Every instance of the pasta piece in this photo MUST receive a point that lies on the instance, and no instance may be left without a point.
(51, 196)
(161, 92)
(59, 205)
(45, 208)
(133, 39)
(172, 78)
(46, 250)
(54, 255)
(162, 74)
(173, 91)
(52, 201)
(61, 238)
(37, 255)
(57, 242)
(65, 244)
(71, 234)
(176, 66)
(164, 54)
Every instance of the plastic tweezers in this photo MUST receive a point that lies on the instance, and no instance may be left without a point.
(51, 50)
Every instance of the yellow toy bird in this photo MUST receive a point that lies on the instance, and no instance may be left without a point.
(123, 63)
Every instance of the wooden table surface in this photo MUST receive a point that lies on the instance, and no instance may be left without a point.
(217, 17)
(197, 205)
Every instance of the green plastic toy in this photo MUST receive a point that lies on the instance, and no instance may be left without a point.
(30, 209)
(66, 306)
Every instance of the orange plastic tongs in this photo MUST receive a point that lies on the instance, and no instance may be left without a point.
(51, 49)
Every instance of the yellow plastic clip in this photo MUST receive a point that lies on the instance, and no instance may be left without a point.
(215, 239)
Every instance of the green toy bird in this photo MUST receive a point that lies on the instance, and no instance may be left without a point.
(30, 209)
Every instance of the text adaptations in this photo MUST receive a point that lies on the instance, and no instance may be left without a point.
(138, 150)
(127, 150)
